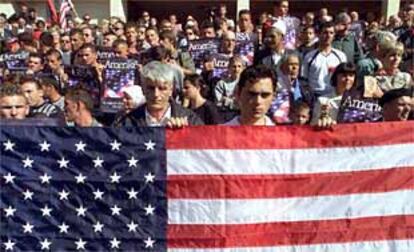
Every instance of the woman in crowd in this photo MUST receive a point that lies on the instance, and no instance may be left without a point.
(133, 98)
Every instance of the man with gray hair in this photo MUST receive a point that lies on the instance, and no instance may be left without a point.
(159, 109)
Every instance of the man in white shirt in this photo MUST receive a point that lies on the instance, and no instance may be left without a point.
(319, 64)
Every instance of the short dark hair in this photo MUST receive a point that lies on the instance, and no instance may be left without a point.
(395, 94)
(244, 11)
(327, 25)
(31, 79)
(342, 68)
(254, 73)
(54, 52)
(36, 55)
(170, 36)
(80, 95)
(90, 46)
(119, 42)
(10, 89)
(198, 81)
(76, 32)
(207, 24)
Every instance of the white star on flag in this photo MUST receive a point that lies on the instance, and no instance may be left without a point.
(80, 179)
(81, 211)
(132, 162)
(46, 211)
(80, 244)
(9, 178)
(63, 228)
(149, 178)
(115, 243)
(98, 162)
(132, 227)
(98, 194)
(98, 227)
(80, 146)
(115, 178)
(28, 195)
(115, 145)
(9, 245)
(44, 146)
(149, 243)
(9, 145)
(27, 228)
(45, 178)
(149, 210)
(63, 163)
(63, 195)
(115, 210)
(10, 211)
(150, 145)
(28, 162)
(132, 194)
(45, 244)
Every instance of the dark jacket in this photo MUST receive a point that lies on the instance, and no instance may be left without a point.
(137, 117)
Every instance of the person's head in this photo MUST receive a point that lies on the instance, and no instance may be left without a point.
(354, 16)
(12, 45)
(50, 87)
(56, 38)
(151, 35)
(255, 92)
(391, 55)
(88, 55)
(32, 91)
(121, 48)
(157, 85)
(274, 39)
(173, 19)
(343, 77)
(222, 10)
(397, 104)
(77, 39)
(208, 30)
(78, 104)
(290, 66)
(236, 66)
(394, 21)
(132, 98)
(308, 19)
(228, 42)
(141, 31)
(145, 16)
(342, 23)
(190, 33)
(194, 86)
(308, 34)
(168, 40)
(46, 41)
(53, 59)
(35, 62)
(109, 39)
(166, 25)
(131, 33)
(327, 34)
(13, 103)
(86, 18)
(282, 8)
(65, 42)
(158, 53)
(88, 35)
(118, 28)
(301, 113)
(408, 13)
(245, 21)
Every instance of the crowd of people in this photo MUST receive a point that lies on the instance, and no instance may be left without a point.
(321, 69)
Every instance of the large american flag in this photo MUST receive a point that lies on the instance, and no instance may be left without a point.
(209, 188)
(65, 8)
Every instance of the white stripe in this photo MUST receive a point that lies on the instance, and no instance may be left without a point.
(296, 161)
(235, 211)
(369, 246)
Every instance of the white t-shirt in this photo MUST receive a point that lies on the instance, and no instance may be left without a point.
(236, 121)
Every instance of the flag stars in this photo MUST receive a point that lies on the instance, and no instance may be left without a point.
(44, 146)
(97, 227)
(115, 178)
(98, 194)
(132, 227)
(80, 179)
(115, 243)
(63, 228)
(9, 245)
(28, 162)
(149, 210)
(27, 228)
(81, 211)
(10, 211)
(80, 244)
(80, 146)
(98, 162)
(149, 242)
(9, 178)
(9, 145)
(132, 162)
(132, 194)
(45, 179)
(150, 145)
(115, 145)
(149, 178)
(27, 195)
(116, 210)
(46, 211)
(63, 195)
(63, 163)
(45, 244)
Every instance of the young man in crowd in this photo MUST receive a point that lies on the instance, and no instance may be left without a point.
(397, 104)
(78, 108)
(13, 103)
(52, 92)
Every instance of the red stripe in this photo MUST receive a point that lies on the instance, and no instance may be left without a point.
(290, 137)
(52, 9)
(272, 186)
(291, 233)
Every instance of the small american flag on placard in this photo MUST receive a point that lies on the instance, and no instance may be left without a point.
(279, 188)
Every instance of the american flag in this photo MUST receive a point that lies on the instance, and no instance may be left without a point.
(212, 189)
(65, 8)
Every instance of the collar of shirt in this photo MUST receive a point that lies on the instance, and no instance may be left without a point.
(153, 122)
